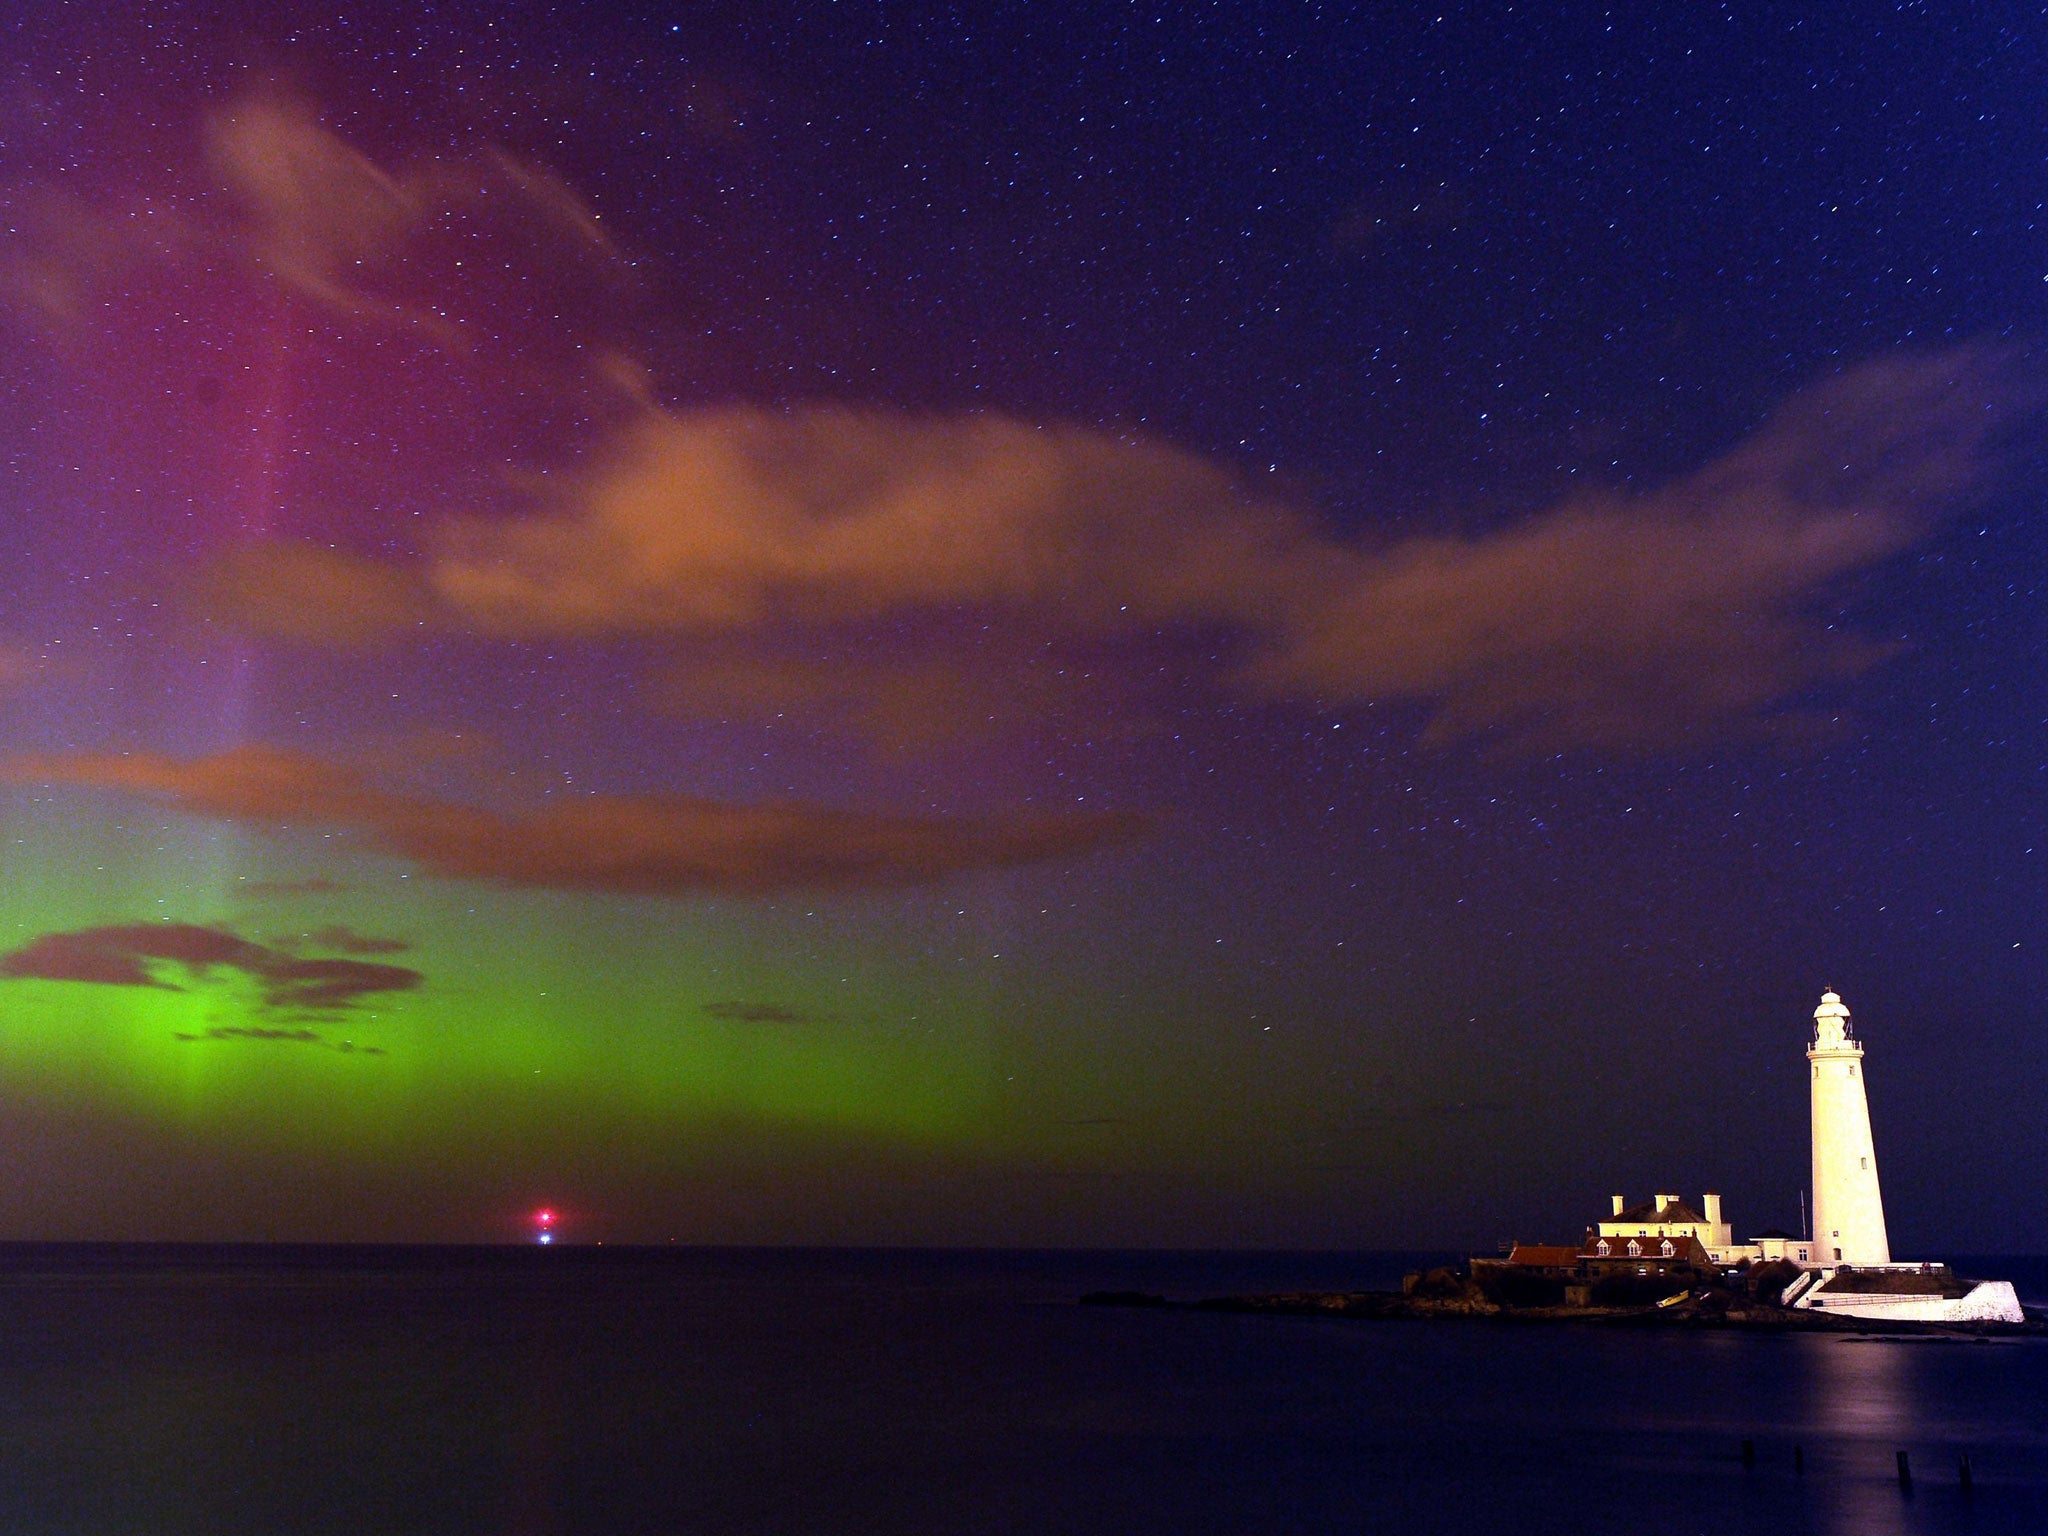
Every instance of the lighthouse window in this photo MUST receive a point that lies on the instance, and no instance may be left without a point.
(1865, 1161)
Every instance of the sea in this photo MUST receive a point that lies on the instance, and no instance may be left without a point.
(155, 1391)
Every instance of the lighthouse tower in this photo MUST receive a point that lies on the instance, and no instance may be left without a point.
(1848, 1212)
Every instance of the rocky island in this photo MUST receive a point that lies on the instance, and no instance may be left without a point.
(1662, 1263)
(1751, 1298)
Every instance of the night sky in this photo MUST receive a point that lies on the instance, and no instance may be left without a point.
(1098, 624)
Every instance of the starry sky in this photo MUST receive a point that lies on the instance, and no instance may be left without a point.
(1016, 624)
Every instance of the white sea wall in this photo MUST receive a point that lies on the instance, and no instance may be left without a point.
(1988, 1301)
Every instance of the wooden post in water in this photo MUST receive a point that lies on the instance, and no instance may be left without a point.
(1905, 1474)
(1963, 1471)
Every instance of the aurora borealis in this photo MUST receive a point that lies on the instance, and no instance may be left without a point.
(1028, 625)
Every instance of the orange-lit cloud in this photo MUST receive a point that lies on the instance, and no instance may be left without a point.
(904, 695)
(765, 555)
(670, 845)
(1611, 620)
(308, 593)
(1634, 622)
(742, 519)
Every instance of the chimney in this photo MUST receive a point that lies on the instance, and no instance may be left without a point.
(1713, 1209)
(1620, 1204)
(1664, 1200)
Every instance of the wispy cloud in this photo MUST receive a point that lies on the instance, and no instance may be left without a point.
(287, 201)
(318, 215)
(669, 845)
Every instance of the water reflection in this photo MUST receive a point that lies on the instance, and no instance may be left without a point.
(1863, 1412)
(786, 1394)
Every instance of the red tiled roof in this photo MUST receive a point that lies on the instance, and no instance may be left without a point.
(1687, 1248)
(1544, 1255)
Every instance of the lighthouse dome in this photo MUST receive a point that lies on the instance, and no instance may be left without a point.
(1831, 1022)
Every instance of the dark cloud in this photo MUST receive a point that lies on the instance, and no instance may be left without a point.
(86, 956)
(129, 954)
(318, 885)
(240, 1032)
(349, 942)
(667, 845)
(755, 1013)
(289, 1036)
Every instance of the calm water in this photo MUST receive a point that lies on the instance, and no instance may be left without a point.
(527, 1391)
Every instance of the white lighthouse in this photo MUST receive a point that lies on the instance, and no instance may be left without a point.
(1851, 1273)
(1848, 1211)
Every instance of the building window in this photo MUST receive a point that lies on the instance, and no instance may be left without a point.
(1603, 1250)
(1635, 1249)
(1838, 1253)
(1802, 1255)
(1667, 1250)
